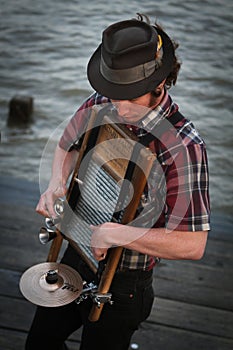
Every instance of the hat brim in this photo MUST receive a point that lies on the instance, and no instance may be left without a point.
(130, 91)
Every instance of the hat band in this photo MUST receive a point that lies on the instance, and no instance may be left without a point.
(129, 75)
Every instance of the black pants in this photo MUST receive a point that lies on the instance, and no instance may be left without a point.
(133, 297)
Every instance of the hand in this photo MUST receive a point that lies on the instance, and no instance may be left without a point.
(45, 205)
(99, 248)
(102, 239)
(112, 234)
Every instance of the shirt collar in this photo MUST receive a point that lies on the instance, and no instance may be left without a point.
(156, 115)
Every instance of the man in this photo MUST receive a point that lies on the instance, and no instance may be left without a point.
(132, 69)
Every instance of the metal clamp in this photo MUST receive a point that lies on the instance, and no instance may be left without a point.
(102, 298)
(91, 290)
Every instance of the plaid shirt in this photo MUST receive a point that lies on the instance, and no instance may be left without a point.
(177, 193)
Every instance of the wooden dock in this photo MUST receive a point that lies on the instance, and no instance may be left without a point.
(193, 306)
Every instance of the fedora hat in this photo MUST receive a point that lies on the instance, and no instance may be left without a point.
(133, 58)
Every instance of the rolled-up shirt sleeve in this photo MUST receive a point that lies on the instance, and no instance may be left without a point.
(73, 130)
(77, 124)
(187, 181)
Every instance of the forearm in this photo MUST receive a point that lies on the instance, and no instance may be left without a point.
(157, 242)
(63, 165)
(170, 244)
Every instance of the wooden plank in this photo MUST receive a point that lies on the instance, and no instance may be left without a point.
(193, 299)
(153, 336)
(187, 292)
(20, 251)
(15, 340)
(219, 249)
(200, 275)
(193, 282)
(148, 337)
(12, 339)
(181, 291)
(221, 227)
(17, 314)
(9, 283)
(20, 247)
(192, 317)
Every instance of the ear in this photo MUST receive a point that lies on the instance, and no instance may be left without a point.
(161, 85)
(159, 88)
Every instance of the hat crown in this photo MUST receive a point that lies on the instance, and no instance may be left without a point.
(133, 58)
(128, 44)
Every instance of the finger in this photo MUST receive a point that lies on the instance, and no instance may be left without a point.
(41, 208)
(50, 208)
(99, 254)
(45, 207)
(102, 256)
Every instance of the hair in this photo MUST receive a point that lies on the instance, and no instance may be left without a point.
(172, 77)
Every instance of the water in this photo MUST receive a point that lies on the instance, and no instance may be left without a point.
(45, 47)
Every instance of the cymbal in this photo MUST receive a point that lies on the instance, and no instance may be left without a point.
(51, 284)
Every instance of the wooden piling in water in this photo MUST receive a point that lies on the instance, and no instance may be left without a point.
(20, 111)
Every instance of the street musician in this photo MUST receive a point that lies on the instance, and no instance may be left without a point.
(132, 70)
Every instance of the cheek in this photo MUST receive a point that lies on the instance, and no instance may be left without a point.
(123, 108)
